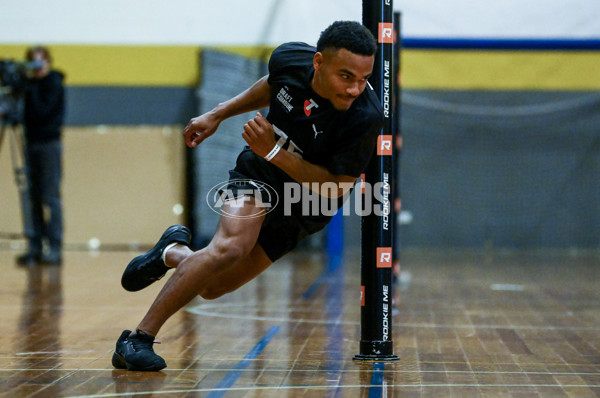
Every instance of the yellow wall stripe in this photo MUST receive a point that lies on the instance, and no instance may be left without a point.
(127, 65)
(421, 69)
(501, 70)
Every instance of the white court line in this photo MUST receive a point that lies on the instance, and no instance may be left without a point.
(208, 370)
(62, 352)
(205, 310)
(309, 387)
(507, 287)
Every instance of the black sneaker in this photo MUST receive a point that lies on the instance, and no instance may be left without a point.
(52, 258)
(29, 258)
(135, 353)
(147, 268)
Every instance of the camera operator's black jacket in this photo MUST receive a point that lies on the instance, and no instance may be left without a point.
(44, 108)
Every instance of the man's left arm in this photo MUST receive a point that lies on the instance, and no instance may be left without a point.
(259, 135)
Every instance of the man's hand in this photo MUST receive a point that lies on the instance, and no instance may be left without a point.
(259, 135)
(200, 128)
(203, 126)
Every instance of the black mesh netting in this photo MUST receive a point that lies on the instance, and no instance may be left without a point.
(502, 169)
(224, 75)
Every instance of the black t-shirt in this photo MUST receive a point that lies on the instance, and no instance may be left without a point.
(44, 108)
(308, 125)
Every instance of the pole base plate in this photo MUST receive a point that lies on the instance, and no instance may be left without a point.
(376, 358)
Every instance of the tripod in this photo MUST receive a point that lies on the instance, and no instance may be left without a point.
(16, 140)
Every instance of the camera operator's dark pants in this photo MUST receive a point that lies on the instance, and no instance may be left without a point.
(44, 170)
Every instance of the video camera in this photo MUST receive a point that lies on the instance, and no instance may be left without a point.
(13, 77)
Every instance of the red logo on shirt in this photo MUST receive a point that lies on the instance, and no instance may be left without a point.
(308, 105)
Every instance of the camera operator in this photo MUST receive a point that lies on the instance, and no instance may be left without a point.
(44, 110)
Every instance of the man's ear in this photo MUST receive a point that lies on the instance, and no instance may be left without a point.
(318, 60)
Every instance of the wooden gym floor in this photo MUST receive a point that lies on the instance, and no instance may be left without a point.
(466, 324)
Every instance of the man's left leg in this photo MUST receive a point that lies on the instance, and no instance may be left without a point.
(51, 176)
(233, 246)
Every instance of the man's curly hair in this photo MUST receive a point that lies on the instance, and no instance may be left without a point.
(350, 35)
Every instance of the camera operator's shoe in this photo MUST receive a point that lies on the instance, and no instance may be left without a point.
(135, 352)
(52, 258)
(29, 258)
(147, 268)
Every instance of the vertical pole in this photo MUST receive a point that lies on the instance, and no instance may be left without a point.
(377, 229)
(397, 115)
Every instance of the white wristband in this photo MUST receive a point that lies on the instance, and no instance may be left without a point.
(273, 152)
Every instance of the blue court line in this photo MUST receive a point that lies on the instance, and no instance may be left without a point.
(231, 377)
(334, 247)
(313, 288)
(333, 265)
(376, 389)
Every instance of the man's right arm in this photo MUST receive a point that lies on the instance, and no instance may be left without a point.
(256, 97)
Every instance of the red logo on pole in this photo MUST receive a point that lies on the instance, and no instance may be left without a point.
(384, 257)
(362, 183)
(386, 32)
(384, 145)
(362, 296)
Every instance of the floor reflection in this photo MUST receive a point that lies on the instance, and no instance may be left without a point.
(42, 310)
(39, 345)
(133, 383)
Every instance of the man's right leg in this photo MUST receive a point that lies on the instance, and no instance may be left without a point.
(50, 180)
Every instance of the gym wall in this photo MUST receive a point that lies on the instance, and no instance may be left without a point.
(521, 117)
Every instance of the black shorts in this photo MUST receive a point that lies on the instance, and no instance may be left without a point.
(280, 233)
